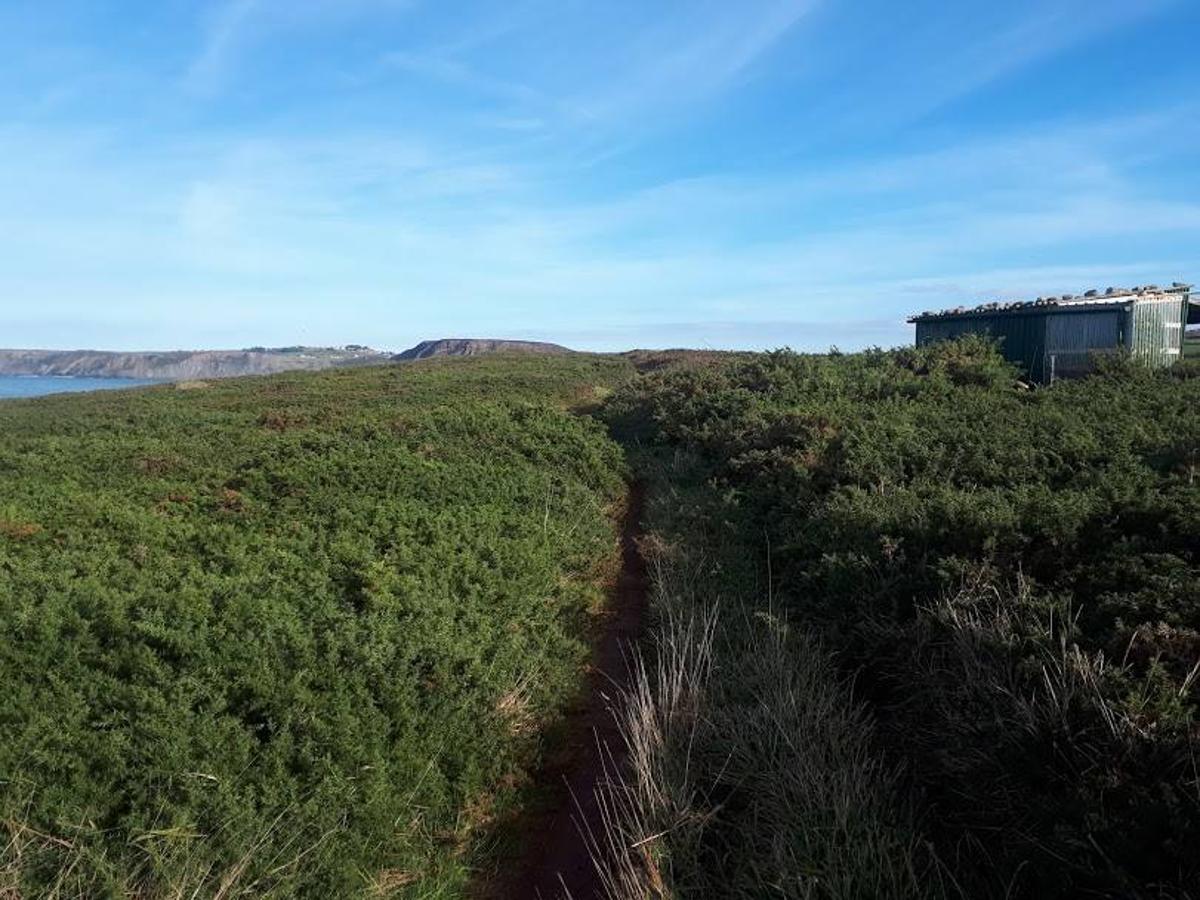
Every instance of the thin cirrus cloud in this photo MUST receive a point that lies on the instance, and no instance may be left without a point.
(573, 67)
(778, 171)
(234, 28)
(677, 61)
(285, 215)
(918, 57)
(222, 36)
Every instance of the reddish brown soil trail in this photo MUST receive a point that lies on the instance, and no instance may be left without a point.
(556, 862)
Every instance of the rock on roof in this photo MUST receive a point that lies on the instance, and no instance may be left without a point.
(1092, 297)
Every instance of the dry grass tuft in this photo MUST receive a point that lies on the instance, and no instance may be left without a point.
(19, 531)
(390, 881)
(514, 707)
(750, 767)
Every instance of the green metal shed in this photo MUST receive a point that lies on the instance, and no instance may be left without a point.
(1060, 337)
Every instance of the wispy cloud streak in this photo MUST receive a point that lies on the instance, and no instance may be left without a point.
(207, 71)
(613, 172)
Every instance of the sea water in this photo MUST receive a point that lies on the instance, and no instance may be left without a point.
(37, 385)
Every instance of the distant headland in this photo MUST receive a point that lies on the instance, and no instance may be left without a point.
(172, 365)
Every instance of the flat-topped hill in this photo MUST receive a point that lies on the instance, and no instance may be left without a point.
(477, 347)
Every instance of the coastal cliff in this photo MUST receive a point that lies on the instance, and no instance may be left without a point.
(175, 365)
(181, 364)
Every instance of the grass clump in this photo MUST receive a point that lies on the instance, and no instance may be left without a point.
(292, 636)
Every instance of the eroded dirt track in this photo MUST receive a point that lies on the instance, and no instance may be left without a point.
(556, 863)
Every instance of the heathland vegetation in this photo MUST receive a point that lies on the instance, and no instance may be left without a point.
(294, 636)
(917, 629)
(923, 631)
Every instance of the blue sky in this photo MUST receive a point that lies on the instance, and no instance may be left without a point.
(733, 173)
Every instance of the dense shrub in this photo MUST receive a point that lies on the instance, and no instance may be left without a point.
(287, 636)
(1012, 574)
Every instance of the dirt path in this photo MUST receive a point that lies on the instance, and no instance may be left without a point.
(556, 854)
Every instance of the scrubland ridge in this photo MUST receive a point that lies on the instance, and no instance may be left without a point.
(915, 629)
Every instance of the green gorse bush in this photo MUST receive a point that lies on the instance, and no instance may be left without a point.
(291, 636)
(1010, 575)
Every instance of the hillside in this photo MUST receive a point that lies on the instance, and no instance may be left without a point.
(476, 347)
(180, 364)
(296, 636)
(915, 630)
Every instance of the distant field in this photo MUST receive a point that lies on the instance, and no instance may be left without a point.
(291, 636)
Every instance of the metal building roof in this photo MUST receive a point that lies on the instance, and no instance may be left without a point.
(1066, 303)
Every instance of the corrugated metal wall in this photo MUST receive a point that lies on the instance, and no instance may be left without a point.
(1022, 337)
(1072, 339)
(1156, 332)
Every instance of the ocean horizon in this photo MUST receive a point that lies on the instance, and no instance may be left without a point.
(14, 386)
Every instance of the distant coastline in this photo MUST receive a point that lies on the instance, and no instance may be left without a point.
(174, 365)
(16, 386)
(183, 365)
